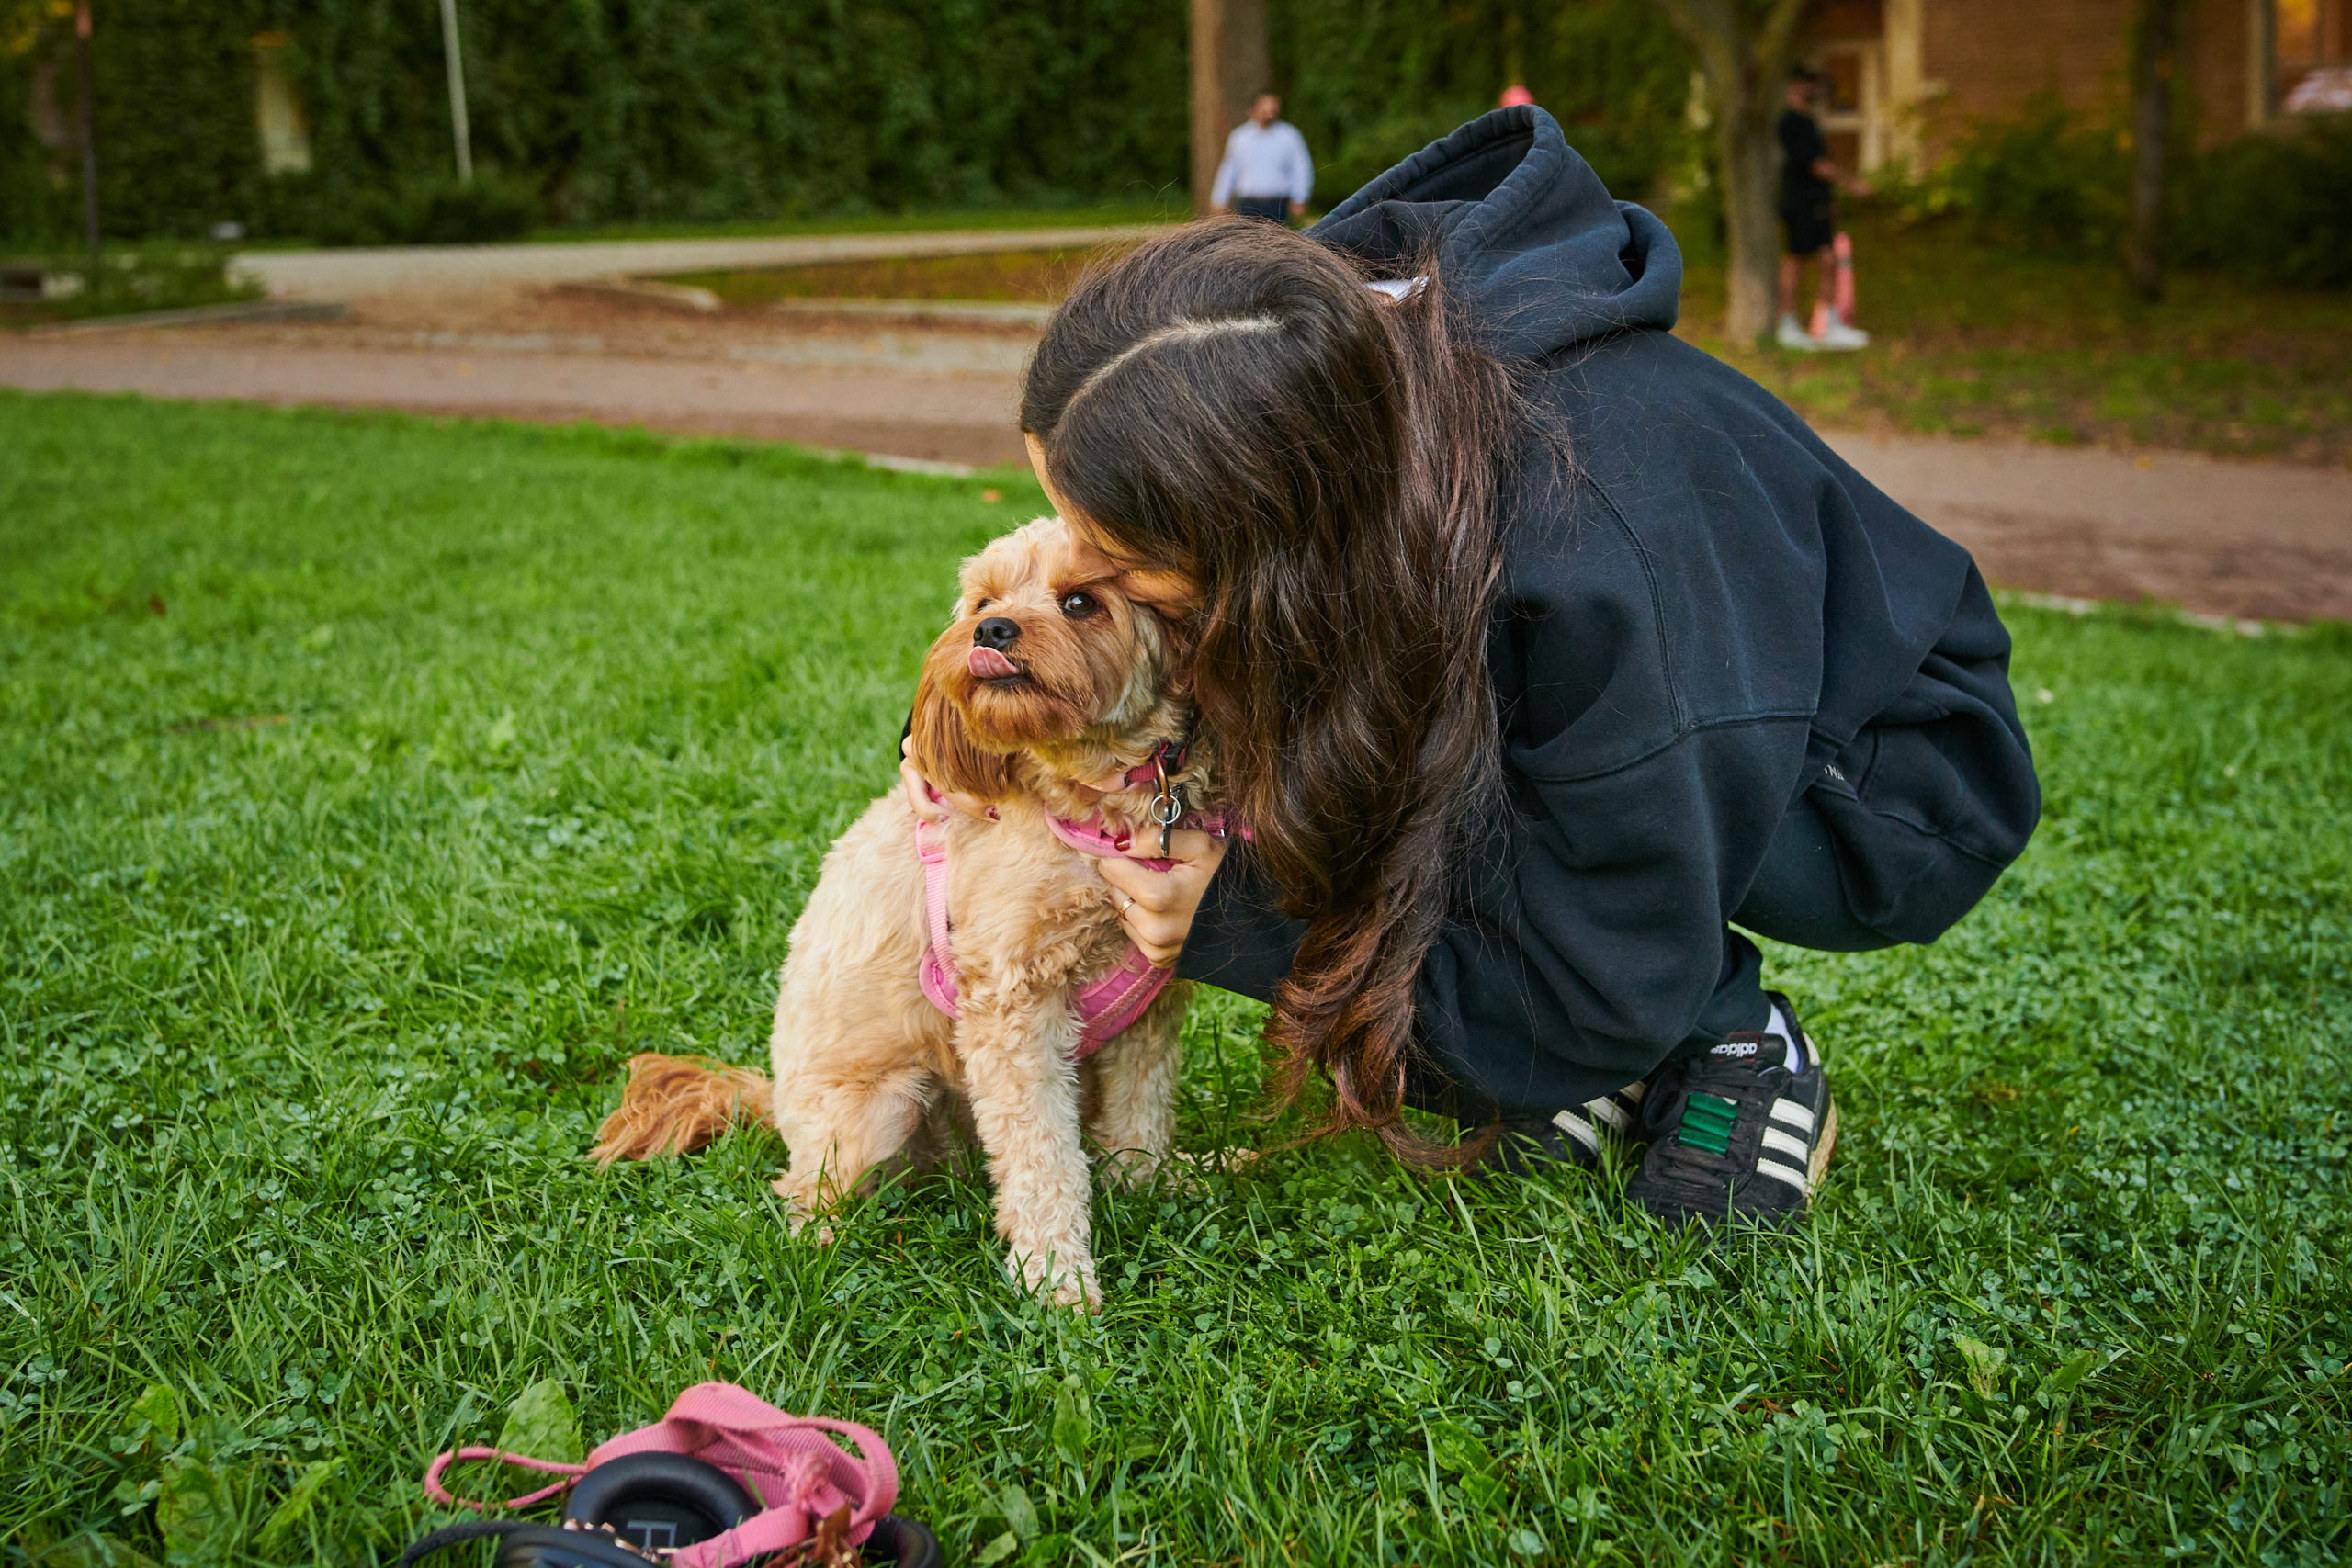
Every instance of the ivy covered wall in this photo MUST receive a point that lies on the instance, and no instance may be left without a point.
(1371, 81)
(620, 110)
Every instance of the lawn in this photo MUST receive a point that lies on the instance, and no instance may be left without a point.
(370, 788)
(1972, 340)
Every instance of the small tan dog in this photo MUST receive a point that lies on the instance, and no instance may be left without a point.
(1066, 705)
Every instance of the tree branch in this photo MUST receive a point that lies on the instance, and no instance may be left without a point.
(1711, 26)
(1771, 56)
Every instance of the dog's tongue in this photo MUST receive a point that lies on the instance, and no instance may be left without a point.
(988, 664)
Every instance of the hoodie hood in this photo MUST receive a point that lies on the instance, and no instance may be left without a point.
(1523, 231)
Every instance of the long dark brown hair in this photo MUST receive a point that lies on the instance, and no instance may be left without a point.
(1230, 400)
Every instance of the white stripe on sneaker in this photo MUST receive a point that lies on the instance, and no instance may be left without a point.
(1779, 1172)
(1633, 1091)
(1781, 1143)
(1607, 1111)
(1576, 1127)
(1794, 1114)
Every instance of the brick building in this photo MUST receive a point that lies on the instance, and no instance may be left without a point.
(1904, 71)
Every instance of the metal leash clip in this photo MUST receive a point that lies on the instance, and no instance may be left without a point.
(1166, 801)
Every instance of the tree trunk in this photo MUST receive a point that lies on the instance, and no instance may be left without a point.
(2153, 35)
(1751, 169)
(1743, 62)
(1229, 66)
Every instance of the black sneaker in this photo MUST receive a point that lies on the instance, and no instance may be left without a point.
(1576, 1135)
(1738, 1132)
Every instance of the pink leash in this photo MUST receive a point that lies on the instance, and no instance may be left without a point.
(800, 1475)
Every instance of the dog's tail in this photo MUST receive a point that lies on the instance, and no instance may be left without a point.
(674, 1105)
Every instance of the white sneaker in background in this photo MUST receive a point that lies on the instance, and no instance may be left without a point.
(1840, 336)
(1794, 335)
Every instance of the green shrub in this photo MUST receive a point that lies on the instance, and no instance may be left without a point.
(2045, 180)
(2272, 209)
(2269, 208)
(425, 212)
(150, 276)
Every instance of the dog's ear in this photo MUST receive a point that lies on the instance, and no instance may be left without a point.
(944, 750)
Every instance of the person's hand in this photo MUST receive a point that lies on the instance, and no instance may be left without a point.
(1298, 210)
(1859, 188)
(929, 805)
(1157, 907)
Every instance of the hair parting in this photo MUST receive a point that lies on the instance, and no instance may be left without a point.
(1326, 462)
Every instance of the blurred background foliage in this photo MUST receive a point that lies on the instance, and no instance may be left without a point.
(643, 110)
(707, 111)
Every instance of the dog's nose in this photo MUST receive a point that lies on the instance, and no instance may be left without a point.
(996, 632)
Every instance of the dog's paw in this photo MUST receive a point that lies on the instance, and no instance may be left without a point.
(798, 1220)
(1189, 1165)
(1062, 1286)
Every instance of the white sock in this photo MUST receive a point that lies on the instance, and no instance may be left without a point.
(1783, 1028)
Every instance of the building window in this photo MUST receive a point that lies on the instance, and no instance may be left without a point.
(2314, 44)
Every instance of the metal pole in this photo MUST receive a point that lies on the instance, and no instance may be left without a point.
(89, 138)
(459, 124)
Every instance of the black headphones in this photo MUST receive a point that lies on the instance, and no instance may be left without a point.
(623, 1512)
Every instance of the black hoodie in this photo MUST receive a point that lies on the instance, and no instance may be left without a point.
(1713, 615)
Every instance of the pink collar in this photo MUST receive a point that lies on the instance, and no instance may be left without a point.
(1089, 839)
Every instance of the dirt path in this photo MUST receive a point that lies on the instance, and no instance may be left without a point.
(2229, 538)
(2267, 540)
(360, 273)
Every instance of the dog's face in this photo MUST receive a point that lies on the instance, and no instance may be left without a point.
(1046, 656)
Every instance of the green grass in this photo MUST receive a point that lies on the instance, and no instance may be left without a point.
(370, 788)
(1973, 340)
(156, 274)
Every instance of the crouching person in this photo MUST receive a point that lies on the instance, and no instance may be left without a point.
(1542, 649)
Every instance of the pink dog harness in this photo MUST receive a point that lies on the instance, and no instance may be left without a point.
(797, 1473)
(1107, 1006)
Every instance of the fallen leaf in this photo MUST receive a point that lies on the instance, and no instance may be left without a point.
(541, 1424)
(1985, 1365)
(196, 1514)
(298, 1504)
(1018, 1511)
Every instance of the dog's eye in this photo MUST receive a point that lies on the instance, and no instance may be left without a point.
(1078, 606)
(983, 604)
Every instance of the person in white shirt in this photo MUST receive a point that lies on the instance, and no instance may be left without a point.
(1266, 173)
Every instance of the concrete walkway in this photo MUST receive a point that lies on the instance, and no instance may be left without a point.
(361, 274)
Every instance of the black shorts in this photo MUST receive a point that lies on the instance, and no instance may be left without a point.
(1811, 221)
(1272, 209)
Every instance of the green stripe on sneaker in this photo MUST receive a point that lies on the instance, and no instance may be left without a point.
(1707, 1120)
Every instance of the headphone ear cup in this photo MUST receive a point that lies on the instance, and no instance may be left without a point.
(544, 1546)
(657, 1501)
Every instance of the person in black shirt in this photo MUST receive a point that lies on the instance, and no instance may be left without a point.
(1809, 182)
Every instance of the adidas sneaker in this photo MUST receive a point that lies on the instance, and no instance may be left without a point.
(1575, 1135)
(1742, 1132)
